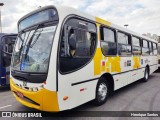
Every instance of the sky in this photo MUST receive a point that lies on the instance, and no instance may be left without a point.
(142, 16)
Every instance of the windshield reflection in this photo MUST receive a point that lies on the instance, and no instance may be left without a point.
(32, 54)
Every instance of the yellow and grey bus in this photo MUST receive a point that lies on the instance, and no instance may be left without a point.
(64, 58)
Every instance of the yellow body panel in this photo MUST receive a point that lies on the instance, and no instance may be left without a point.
(99, 20)
(98, 32)
(137, 62)
(46, 99)
(97, 62)
(112, 64)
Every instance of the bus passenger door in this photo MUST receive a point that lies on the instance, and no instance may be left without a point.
(133, 75)
(77, 47)
(136, 71)
(125, 51)
(127, 68)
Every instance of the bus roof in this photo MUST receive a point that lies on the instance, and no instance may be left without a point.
(7, 34)
(2, 34)
(64, 11)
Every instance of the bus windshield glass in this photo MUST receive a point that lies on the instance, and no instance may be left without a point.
(34, 42)
(32, 54)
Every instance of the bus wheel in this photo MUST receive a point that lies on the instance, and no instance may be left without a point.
(102, 92)
(146, 75)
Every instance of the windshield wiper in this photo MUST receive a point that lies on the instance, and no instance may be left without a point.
(19, 36)
(22, 40)
(31, 38)
(31, 45)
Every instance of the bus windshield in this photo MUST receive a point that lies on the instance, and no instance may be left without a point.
(32, 50)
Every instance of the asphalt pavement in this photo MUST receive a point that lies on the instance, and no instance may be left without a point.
(138, 96)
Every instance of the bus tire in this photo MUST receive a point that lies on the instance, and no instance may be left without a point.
(146, 75)
(102, 92)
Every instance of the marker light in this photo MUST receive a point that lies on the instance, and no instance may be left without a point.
(44, 82)
(65, 98)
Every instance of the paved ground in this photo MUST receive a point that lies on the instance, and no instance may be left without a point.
(138, 96)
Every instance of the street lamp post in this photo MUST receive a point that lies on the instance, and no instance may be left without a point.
(1, 4)
(126, 25)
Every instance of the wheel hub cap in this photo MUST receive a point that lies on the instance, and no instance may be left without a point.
(102, 91)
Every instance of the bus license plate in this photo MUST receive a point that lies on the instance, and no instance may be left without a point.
(19, 94)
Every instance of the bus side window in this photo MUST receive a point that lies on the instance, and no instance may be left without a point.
(108, 42)
(124, 44)
(72, 42)
(136, 47)
(83, 43)
(155, 51)
(145, 47)
(77, 45)
(158, 49)
(150, 48)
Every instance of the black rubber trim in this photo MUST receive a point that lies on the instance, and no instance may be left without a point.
(112, 74)
(132, 70)
(128, 71)
(84, 81)
(29, 77)
(153, 64)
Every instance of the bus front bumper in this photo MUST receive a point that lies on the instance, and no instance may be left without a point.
(43, 99)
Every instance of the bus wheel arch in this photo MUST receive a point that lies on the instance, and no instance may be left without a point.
(109, 78)
(105, 83)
